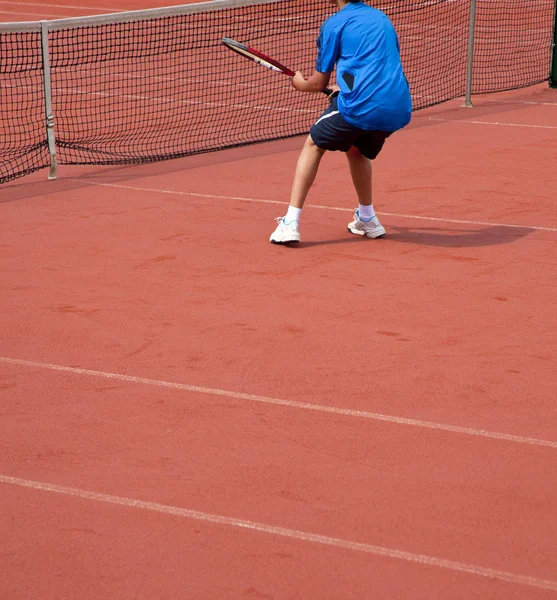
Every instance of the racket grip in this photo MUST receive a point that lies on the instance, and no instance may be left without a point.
(327, 91)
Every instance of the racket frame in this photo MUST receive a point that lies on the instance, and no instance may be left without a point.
(262, 59)
(256, 56)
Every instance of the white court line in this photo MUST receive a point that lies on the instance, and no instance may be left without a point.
(289, 403)
(45, 5)
(27, 14)
(119, 78)
(529, 102)
(167, 100)
(293, 534)
(266, 201)
(488, 123)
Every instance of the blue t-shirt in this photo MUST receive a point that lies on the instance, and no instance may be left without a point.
(374, 93)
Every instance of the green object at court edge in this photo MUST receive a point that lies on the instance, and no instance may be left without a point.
(553, 73)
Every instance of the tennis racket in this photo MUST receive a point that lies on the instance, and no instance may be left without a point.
(262, 59)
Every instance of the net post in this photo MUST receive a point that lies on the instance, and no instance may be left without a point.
(48, 100)
(553, 72)
(470, 62)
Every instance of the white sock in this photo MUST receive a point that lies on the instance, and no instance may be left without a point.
(366, 212)
(293, 214)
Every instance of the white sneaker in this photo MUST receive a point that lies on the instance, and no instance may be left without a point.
(371, 229)
(285, 233)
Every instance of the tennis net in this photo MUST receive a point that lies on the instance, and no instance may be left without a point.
(151, 85)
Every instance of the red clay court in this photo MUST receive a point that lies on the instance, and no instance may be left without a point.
(191, 412)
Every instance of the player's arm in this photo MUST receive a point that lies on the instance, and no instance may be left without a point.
(316, 83)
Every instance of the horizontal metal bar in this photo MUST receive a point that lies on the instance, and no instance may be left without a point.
(128, 16)
(23, 27)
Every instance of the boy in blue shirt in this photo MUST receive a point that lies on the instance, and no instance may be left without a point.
(372, 102)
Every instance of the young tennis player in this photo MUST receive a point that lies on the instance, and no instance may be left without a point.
(372, 102)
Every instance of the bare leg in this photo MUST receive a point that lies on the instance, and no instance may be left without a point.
(364, 223)
(306, 170)
(287, 230)
(360, 169)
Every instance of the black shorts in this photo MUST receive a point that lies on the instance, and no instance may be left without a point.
(332, 132)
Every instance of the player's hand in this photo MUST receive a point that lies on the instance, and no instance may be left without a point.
(298, 81)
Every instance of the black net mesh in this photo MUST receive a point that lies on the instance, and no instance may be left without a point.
(152, 89)
(512, 44)
(23, 146)
(433, 40)
(148, 90)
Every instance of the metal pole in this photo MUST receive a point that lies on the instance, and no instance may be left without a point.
(470, 65)
(48, 101)
(553, 73)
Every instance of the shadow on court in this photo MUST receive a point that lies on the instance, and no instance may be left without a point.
(442, 237)
(492, 235)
